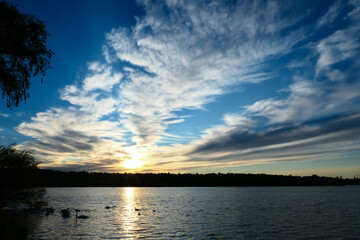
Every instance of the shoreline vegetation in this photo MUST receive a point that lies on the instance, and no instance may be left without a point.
(34, 177)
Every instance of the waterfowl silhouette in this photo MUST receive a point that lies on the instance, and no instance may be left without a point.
(65, 213)
(49, 210)
(81, 216)
(107, 207)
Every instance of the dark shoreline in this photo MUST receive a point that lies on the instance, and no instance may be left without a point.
(10, 177)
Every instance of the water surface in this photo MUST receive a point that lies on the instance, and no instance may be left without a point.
(204, 213)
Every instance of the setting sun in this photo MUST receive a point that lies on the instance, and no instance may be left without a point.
(135, 154)
(134, 163)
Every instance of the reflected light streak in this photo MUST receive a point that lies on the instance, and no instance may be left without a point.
(129, 217)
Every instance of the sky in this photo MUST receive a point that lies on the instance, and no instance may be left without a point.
(195, 87)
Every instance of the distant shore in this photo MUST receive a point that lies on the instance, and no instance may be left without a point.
(12, 177)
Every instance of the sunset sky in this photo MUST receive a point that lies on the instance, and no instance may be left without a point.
(195, 86)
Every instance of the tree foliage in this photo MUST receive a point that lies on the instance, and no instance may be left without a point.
(10, 157)
(14, 189)
(23, 53)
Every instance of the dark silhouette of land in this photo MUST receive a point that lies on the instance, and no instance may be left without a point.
(14, 224)
(33, 177)
(22, 185)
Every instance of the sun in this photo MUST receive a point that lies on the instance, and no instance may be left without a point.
(133, 163)
(135, 155)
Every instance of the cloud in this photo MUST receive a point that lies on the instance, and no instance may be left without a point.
(321, 139)
(105, 165)
(315, 119)
(330, 15)
(237, 139)
(183, 55)
(341, 45)
(95, 95)
(70, 133)
(304, 101)
(103, 79)
(56, 121)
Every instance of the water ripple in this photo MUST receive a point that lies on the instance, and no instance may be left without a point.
(204, 213)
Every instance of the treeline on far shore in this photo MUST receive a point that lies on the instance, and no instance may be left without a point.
(22, 177)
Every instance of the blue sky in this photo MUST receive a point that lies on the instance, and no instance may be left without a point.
(195, 86)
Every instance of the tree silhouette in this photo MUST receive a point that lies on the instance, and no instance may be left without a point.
(10, 157)
(23, 53)
(14, 163)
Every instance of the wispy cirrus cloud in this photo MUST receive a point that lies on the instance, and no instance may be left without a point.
(331, 14)
(229, 145)
(79, 131)
(342, 44)
(194, 52)
(319, 117)
(183, 55)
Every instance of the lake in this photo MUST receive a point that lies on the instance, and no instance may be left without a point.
(203, 213)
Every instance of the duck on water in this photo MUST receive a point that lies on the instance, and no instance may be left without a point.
(65, 213)
(49, 210)
(81, 216)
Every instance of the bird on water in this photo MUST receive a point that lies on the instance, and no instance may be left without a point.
(65, 213)
(81, 216)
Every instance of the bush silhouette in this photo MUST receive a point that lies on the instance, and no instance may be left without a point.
(14, 164)
(10, 157)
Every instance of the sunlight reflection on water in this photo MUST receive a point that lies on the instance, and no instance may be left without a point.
(204, 213)
(128, 216)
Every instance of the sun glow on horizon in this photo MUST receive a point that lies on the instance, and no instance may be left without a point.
(133, 163)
